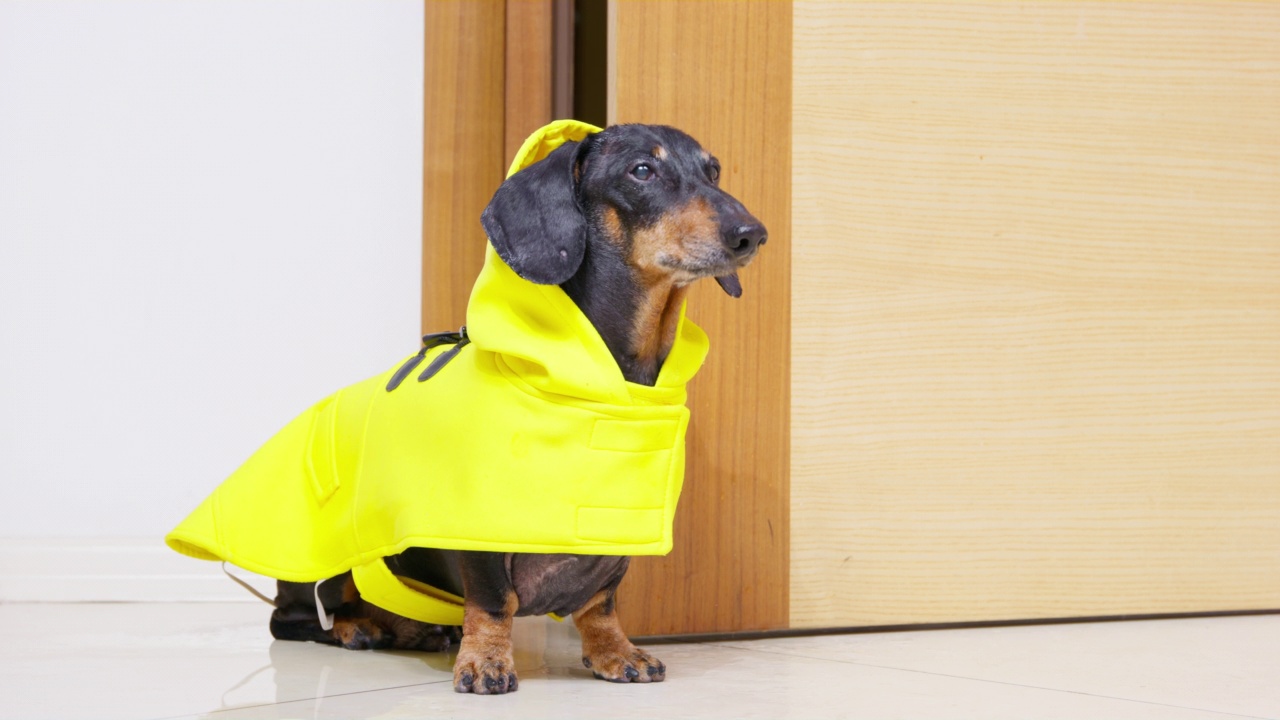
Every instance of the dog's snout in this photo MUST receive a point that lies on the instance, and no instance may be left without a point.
(744, 239)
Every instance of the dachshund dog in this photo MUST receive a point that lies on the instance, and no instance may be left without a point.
(648, 201)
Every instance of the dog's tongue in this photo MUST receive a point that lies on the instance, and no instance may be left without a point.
(729, 283)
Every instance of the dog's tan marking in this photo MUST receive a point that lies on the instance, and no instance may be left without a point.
(659, 152)
(606, 651)
(613, 226)
(656, 319)
(675, 239)
(350, 593)
(485, 665)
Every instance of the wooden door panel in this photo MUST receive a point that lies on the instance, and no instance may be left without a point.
(463, 156)
(722, 73)
(1037, 311)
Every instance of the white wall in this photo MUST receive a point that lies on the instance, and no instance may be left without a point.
(209, 219)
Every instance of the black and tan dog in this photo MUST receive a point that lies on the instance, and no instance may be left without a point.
(648, 201)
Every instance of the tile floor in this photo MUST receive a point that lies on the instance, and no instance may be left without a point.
(157, 660)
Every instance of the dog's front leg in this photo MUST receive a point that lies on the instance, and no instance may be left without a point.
(485, 664)
(606, 651)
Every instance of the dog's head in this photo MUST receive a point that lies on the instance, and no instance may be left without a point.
(650, 191)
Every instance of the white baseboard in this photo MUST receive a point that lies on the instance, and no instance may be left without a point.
(114, 570)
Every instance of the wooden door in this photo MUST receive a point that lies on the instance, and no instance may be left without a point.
(721, 71)
(464, 159)
(487, 86)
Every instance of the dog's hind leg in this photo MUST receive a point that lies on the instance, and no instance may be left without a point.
(302, 629)
(357, 625)
(409, 634)
(296, 616)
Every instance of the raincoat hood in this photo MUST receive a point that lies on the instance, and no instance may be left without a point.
(540, 332)
(520, 435)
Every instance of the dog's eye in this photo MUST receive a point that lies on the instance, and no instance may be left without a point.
(713, 172)
(642, 172)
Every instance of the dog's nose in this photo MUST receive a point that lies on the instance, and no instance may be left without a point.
(744, 239)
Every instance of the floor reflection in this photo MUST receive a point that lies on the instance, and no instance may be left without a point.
(303, 670)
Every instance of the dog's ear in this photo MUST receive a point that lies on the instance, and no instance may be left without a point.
(534, 220)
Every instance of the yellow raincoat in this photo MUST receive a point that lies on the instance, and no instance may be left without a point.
(527, 440)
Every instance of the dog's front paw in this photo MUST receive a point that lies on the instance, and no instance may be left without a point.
(484, 674)
(627, 664)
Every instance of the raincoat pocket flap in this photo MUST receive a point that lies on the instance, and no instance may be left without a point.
(634, 435)
(321, 463)
(620, 525)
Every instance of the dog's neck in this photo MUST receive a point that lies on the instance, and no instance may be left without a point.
(635, 316)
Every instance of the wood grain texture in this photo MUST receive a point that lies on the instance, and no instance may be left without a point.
(1036, 342)
(463, 162)
(722, 73)
(529, 62)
